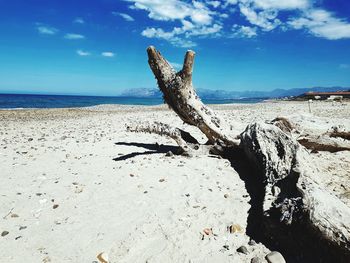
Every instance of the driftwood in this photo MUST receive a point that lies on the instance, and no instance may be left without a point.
(179, 94)
(324, 143)
(334, 141)
(185, 141)
(283, 169)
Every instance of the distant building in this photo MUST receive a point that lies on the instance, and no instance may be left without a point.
(336, 95)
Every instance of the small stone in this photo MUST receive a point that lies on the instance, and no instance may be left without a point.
(131, 175)
(169, 154)
(55, 206)
(161, 180)
(242, 249)
(14, 215)
(226, 195)
(255, 260)
(46, 259)
(251, 242)
(22, 227)
(275, 257)
(4, 233)
(227, 247)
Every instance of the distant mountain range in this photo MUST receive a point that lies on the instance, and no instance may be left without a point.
(224, 94)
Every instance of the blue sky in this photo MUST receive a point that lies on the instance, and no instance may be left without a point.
(99, 47)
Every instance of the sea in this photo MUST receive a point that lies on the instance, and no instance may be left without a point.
(19, 101)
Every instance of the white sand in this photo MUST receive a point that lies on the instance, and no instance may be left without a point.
(144, 206)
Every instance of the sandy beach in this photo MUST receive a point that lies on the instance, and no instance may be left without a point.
(77, 187)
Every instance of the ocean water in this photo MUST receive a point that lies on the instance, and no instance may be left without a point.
(12, 101)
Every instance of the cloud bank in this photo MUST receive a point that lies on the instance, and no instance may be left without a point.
(192, 19)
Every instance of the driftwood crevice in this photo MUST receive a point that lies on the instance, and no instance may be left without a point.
(291, 198)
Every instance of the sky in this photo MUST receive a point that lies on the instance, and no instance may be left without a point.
(98, 47)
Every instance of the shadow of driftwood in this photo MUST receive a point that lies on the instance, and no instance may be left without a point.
(255, 188)
(151, 147)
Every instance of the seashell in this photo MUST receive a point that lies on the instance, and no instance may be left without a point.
(102, 257)
(235, 228)
(208, 231)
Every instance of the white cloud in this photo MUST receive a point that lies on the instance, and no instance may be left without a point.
(83, 53)
(176, 66)
(172, 10)
(47, 30)
(196, 17)
(73, 36)
(125, 16)
(264, 13)
(266, 19)
(108, 54)
(244, 31)
(215, 4)
(229, 2)
(206, 19)
(79, 20)
(205, 30)
(169, 36)
(322, 23)
(271, 4)
(281, 4)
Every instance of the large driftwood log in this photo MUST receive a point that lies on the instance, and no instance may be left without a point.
(282, 164)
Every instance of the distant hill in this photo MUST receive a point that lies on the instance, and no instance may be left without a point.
(224, 94)
(141, 93)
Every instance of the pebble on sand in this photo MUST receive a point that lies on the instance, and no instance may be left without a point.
(242, 249)
(275, 257)
(252, 242)
(4, 233)
(255, 260)
(169, 154)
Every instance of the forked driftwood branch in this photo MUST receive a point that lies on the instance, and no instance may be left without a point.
(282, 164)
(179, 94)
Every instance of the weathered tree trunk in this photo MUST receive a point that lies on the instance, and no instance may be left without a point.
(285, 169)
(179, 94)
(291, 192)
